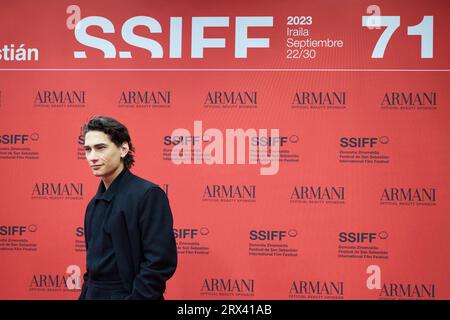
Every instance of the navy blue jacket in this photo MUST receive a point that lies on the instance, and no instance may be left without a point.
(142, 236)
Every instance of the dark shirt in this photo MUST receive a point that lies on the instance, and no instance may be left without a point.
(101, 260)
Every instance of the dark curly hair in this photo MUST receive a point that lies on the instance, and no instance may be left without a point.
(116, 131)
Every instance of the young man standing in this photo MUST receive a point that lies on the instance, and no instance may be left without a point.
(131, 249)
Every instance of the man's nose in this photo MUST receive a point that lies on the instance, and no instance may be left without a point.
(92, 157)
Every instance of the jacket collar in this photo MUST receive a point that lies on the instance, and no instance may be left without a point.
(114, 187)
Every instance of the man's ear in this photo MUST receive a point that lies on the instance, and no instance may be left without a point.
(124, 148)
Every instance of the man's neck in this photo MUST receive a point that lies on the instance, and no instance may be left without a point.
(107, 180)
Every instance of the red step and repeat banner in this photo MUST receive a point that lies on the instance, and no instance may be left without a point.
(304, 145)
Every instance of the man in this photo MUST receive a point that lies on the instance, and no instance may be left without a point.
(131, 249)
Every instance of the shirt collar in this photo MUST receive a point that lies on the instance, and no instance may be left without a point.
(114, 187)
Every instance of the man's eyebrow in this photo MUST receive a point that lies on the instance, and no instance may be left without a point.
(97, 145)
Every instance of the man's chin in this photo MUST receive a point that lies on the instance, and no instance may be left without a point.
(98, 173)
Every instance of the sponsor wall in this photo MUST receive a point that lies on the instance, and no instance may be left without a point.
(303, 144)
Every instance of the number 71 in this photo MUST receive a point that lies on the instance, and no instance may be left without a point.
(424, 29)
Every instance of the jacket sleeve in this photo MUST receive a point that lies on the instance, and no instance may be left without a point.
(86, 274)
(84, 287)
(159, 250)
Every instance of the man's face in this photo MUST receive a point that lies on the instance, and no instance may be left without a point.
(102, 154)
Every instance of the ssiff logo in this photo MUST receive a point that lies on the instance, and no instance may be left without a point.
(18, 238)
(155, 49)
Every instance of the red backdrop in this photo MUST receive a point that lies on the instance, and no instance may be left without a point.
(358, 208)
